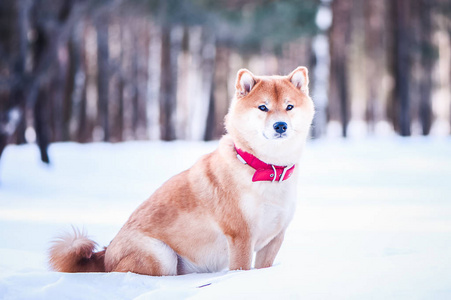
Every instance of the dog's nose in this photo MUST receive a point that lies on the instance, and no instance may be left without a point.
(280, 127)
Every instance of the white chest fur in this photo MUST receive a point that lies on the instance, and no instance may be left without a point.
(269, 208)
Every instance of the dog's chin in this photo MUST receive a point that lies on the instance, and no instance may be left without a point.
(276, 136)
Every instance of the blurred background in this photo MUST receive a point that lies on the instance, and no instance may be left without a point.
(111, 70)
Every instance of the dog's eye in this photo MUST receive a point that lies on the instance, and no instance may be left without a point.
(263, 108)
(290, 107)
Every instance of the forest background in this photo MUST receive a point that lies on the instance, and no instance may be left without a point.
(112, 70)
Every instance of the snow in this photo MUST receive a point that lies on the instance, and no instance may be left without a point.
(373, 221)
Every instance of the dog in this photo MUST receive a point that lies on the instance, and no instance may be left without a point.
(231, 203)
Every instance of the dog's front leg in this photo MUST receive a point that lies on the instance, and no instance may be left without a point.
(240, 253)
(265, 257)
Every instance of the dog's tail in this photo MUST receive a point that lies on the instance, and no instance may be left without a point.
(74, 252)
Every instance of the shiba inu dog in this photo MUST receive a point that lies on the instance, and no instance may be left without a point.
(233, 202)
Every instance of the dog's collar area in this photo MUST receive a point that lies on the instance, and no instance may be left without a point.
(264, 171)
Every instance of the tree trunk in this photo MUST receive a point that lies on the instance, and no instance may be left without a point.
(40, 119)
(39, 92)
(153, 82)
(375, 61)
(83, 135)
(103, 76)
(208, 68)
(402, 43)
(13, 40)
(78, 94)
(170, 49)
(221, 98)
(427, 61)
(200, 76)
(134, 86)
(84, 131)
(339, 39)
(72, 67)
(320, 61)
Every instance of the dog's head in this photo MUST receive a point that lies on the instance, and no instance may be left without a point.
(271, 115)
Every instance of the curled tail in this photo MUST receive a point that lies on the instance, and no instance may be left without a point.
(74, 252)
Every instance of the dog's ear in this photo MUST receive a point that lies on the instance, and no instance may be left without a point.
(299, 78)
(245, 81)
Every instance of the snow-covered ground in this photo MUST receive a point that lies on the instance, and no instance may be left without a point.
(373, 221)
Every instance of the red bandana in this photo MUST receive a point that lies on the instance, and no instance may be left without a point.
(264, 171)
